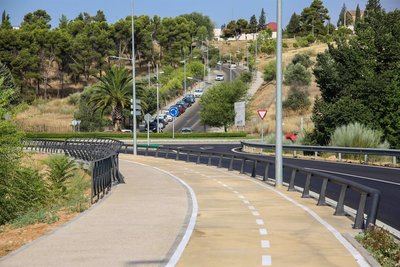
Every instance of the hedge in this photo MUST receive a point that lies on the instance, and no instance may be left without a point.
(129, 135)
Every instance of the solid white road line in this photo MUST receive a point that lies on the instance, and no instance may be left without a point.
(263, 231)
(259, 222)
(265, 244)
(266, 260)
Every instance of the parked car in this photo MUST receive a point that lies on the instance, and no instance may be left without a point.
(186, 130)
(198, 93)
(220, 77)
(181, 108)
(190, 98)
(183, 103)
(126, 130)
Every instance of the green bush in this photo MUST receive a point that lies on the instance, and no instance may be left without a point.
(246, 77)
(381, 244)
(310, 39)
(301, 42)
(297, 100)
(297, 75)
(302, 59)
(270, 71)
(60, 169)
(357, 135)
(269, 47)
(74, 99)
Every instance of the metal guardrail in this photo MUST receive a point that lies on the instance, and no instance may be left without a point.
(102, 154)
(216, 158)
(394, 153)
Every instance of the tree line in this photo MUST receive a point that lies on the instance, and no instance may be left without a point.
(241, 26)
(78, 50)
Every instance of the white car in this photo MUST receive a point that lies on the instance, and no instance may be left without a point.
(233, 66)
(219, 77)
(198, 93)
(126, 130)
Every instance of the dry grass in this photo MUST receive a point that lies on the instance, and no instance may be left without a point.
(265, 97)
(47, 116)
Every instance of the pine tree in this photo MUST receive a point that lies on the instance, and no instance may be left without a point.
(253, 24)
(358, 15)
(63, 22)
(341, 16)
(373, 6)
(5, 21)
(293, 28)
(262, 21)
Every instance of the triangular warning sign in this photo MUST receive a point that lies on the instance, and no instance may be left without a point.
(262, 113)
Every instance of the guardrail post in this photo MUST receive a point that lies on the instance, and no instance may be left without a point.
(340, 156)
(147, 151)
(157, 150)
(198, 158)
(294, 154)
(315, 154)
(167, 153)
(266, 171)
(220, 161)
(187, 156)
(359, 221)
(231, 163)
(292, 177)
(394, 160)
(209, 159)
(339, 211)
(253, 173)
(242, 167)
(366, 158)
(177, 154)
(306, 190)
(321, 199)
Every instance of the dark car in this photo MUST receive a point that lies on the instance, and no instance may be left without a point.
(186, 130)
(183, 103)
(189, 98)
(181, 108)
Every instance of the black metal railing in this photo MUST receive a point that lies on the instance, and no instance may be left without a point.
(321, 183)
(101, 154)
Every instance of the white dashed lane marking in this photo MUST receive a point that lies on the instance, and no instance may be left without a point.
(266, 260)
(236, 192)
(240, 196)
(255, 213)
(263, 231)
(260, 222)
(252, 208)
(245, 201)
(265, 244)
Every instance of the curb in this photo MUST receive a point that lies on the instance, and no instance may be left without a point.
(367, 256)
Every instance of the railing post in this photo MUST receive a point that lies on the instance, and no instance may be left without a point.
(157, 150)
(321, 199)
(394, 160)
(371, 219)
(231, 163)
(340, 156)
(167, 153)
(339, 211)
(366, 158)
(220, 161)
(147, 151)
(253, 173)
(242, 167)
(266, 171)
(315, 154)
(306, 190)
(209, 159)
(198, 158)
(359, 221)
(177, 154)
(292, 177)
(294, 154)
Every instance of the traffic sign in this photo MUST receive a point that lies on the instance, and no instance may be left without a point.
(262, 113)
(174, 111)
(148, 117)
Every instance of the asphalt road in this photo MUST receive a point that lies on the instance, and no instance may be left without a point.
(386, 180)
(191, 117)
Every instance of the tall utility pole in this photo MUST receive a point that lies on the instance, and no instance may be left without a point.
(230, 67)
(184, 74)
(133, 83)
(158, 101)
(278, 134)
(208, 63)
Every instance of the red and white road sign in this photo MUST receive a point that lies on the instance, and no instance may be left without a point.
(262, 113)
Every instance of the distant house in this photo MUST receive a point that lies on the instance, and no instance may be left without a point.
(273, 26)
(218, 33)
(352, 14)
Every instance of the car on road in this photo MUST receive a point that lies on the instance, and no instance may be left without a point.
(189, 98)
(220, 77)
(181, 109)
(126, 130)
(198, 93)
(184, 104)
(186, 130)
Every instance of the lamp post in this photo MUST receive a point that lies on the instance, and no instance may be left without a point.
(148, 71)
(278, 119)
(133, 82)
(158, 101)
(230, 67)
(184, 74)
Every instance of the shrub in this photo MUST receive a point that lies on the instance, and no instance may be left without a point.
(297, 74)
(61, 168)
(301, 42)
(285, 45)
(357, 135)
(269, 47)
(302, 59)
(297, 100)
(310, 39)
(246, 77)
(270, 139)
(270, 71)
(382, 245)
(74, 99)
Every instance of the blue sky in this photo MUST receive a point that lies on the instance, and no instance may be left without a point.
(220, 11)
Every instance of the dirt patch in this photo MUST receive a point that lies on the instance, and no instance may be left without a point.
(12, 239)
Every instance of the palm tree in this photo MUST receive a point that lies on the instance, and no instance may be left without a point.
(113, 91)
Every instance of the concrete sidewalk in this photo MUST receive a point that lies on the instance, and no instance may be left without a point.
(140, 224)
(244, 222)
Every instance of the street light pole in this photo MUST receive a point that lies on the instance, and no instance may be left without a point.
(230, 67)
(148, 71)
(278, 134)
(133, 83)
(184, 74)
(158, 101)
